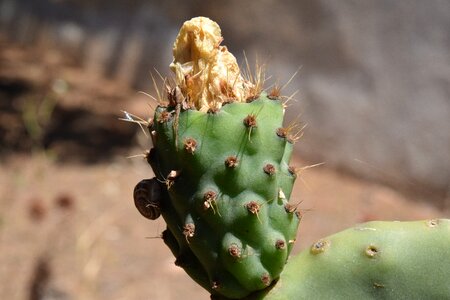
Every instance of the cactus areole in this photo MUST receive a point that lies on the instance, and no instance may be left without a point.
(222, 167)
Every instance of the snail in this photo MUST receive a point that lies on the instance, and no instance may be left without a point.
(147, 198)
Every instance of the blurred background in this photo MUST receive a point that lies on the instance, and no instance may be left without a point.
(373, 86)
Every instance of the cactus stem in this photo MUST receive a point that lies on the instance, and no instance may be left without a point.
(197, 144)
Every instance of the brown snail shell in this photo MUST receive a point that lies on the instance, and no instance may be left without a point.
(147, 198)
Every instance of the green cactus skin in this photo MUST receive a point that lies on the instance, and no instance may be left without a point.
(375, 260)
(228, 182)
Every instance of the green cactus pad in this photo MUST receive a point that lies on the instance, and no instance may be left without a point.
(228, 180)
(375, 260)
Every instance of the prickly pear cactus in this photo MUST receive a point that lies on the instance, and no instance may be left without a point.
(223, 180)
(221, 157)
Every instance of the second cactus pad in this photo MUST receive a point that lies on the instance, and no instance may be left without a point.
(375, 260)
(228, 179)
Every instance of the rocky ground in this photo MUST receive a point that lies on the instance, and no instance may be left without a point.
(68, 226)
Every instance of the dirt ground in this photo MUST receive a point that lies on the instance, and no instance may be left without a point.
(68, 225)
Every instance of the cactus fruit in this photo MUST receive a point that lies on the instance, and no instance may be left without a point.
(375, 260)
(221, 158)
(228, 199)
